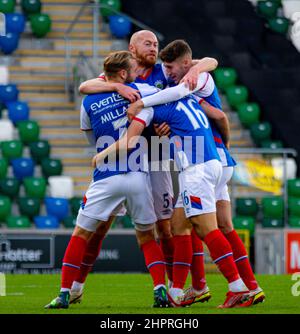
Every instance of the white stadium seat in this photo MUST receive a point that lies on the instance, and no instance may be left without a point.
(295, 32)
(6, 130)
(291, 168)
(4, 76)
(61, 186)
(290, 7)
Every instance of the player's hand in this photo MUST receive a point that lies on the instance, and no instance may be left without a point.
(128, 93)
(94, 161)
(191, 78)
(227, 145)
(134, 109)
(162, 130)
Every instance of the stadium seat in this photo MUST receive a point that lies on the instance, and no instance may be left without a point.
(244, 223)
(224, 26)
(51, 167)
(8, 93)
(3, 168)
(236, 95)
(246, 206)
(294, 206)
(272, 223)
(119, 26)
(30, 7)
(29, 206)
(46, 222)
(69, 222)
(35, 187)
(40, 24)
(294, 188)
(214, 8)
(127, 222)
(225, 77)
(39, 150)
(22, 167)
(7, 6)
(294, 222)
(278, 165)
(61, 186)
(11, 149)
(114, 4)
(9, 43)
(5, 208)
(260, 132)
(15, 23)
(6, 130)
(4, 79)
(273, 207)
(29, 131)
(18, 222)
(272, 144)
(248, 113)
(57, 207)
(18, 111)
(75, 204)
(279, 25)
(10, 187)
(268, 9)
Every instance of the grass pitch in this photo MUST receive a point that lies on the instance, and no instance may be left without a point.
(132, 294)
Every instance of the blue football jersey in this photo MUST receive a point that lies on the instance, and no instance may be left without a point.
(191, 134)
(155, 76)
(215, 101)
(106, 115)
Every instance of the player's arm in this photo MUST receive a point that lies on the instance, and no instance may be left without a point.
(128, 141)
(220, 119)
(85, 126)
(165, 96)
(206, 64)
(99, 85)
(90, 137)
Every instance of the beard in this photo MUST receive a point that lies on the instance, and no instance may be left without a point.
(145, 61)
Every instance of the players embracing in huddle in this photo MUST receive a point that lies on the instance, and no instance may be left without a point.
(202, 211)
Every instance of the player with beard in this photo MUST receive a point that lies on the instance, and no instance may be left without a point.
(144, 47)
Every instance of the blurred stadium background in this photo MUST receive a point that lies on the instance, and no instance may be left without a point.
(51, 46)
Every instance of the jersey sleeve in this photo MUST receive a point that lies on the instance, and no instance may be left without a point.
(102, 76)
(85, 122)
(145, 116)
(174, 93)
(207, 87)
(145, 89)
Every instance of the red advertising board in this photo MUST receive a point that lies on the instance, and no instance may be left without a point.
(292, 252)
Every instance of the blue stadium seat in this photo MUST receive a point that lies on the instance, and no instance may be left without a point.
(57, 207)
(119, 26)
(9, 43)
(18, 111)
(8, 93)
(22, 167)
(45, 222)
(15, 23)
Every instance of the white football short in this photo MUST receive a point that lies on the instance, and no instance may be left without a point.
(106, 197)
(162, 191)
(222, 193)
(197, 187)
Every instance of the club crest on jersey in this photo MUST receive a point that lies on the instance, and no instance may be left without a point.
(159, 84)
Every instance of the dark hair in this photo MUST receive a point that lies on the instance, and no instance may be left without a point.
(175, 50)
(117, 61)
